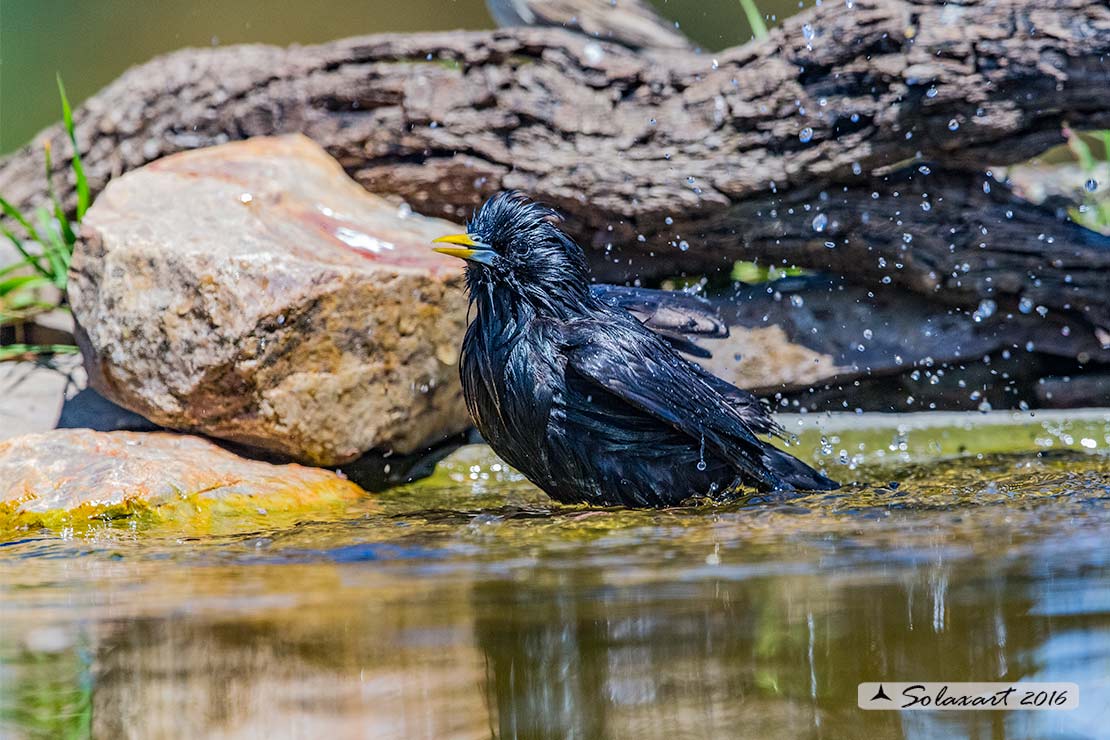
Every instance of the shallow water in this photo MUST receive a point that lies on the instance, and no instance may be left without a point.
(468, 605)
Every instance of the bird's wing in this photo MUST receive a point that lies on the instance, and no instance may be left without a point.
(671, 314)
(665, 310)
(638, 368)
(751, 408)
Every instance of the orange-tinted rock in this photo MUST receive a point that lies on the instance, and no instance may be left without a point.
(253, 292)
(117, 473)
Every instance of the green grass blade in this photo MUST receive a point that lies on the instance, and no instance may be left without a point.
(28, 258)
(18, 216)
(1080, 149)
(13, 351)
(6, 269)
(59, 212)
(54, 248)
(755, 18)
(78, 166)
(26, 303)
(21, 282)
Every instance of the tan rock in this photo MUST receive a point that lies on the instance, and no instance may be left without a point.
(253, 292)
(764, 357)
(110, 474)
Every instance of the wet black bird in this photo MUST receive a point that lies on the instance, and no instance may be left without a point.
(572, 390)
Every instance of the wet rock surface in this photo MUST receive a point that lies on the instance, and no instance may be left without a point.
(252, 292)
(112, 475)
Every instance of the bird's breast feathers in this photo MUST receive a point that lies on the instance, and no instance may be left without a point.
(510, 385)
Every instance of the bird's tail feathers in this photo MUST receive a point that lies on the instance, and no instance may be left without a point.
(793, 474)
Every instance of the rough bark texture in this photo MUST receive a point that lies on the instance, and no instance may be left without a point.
(770, 151)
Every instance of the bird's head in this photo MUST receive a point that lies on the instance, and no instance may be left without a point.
(516, 243)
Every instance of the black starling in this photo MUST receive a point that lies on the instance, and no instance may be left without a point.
(569, 388)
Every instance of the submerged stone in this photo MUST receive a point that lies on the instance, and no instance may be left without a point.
(253, 292)
(76, 474)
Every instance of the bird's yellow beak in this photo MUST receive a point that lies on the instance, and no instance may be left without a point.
(467, 249)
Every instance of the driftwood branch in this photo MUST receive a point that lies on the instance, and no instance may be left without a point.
(668, 160)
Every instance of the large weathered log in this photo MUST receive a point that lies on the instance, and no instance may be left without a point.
(686, 150)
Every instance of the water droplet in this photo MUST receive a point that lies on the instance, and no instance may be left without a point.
(683, 245)
(1091, 185)
(924, 169)
(931, 92)
(1025, 305)
(246, 198)
(953, 125)
(830, 245)
(807, 32)
(856, 168)
(806, 135)
(668, 220)
(985, 310)
(820, 221)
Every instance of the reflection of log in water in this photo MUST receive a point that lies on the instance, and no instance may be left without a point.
(569, 655)
(771, 151)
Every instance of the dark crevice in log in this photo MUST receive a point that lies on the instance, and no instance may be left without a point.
(824, 344)
(956, 238)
